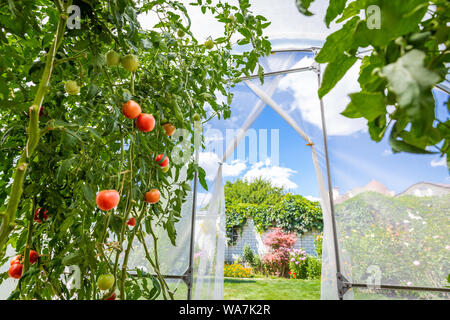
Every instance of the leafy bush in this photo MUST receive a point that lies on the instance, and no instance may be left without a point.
(248, 255)
(298, 264)
(236, 270)
(318, 244)
(257, 264)
(313, 267)
(277, 259)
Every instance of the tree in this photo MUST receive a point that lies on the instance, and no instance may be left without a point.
(258, 191)
(408, 54)
(63, 136)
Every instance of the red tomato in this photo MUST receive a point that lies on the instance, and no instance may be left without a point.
(112, 297)
(169, 128)
(131, 109)
(145, 122)
(162, 160)
(107, 199)
(34, 256)
(16, 259)
(131, 222)
(38, 216)
(152, 196)
(15, 271)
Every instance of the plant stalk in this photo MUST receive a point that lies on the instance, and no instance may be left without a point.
(7, 224)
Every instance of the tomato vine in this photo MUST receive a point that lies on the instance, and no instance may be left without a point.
(78, 142)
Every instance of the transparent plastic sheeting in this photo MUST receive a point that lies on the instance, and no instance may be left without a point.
(208, 253)
(210, 245)
(287, 23)
(392, 213)
(282, 94)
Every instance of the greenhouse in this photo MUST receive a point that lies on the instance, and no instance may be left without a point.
(195, 150)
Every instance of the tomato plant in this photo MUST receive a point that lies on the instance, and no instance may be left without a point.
(84, 162)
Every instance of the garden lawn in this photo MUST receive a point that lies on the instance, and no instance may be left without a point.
(271, 289)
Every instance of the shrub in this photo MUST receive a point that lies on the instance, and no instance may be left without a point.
(276, 260)
(318, 244)
(248, 255)
(257, 264)
(298, 264)
(236, 270)
(313, 267)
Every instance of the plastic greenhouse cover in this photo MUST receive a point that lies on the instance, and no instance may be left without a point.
(392, 212)
(287, 24)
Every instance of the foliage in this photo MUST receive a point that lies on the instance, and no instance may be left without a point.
(276, 260)
(257, 264)
(258, 192)
(57, 157)
(407, 55)
(318, 242)
(313, 267)
(236, 270)
(293, 213)
(248, 255)
(298, 263)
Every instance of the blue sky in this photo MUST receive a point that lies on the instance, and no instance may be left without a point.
(355, 159)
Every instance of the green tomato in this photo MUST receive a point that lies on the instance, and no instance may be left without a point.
(72, 87)
(180, 33)
(209, 44)
(130, 62)
(105, 281)
(196, 117)
(112, 58)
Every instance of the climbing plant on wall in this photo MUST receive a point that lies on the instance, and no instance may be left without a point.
(269, 207)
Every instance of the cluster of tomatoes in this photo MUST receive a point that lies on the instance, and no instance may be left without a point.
(109, 199)
(16, 268)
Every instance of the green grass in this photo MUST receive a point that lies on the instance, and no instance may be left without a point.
(271, 289)
(261, 289)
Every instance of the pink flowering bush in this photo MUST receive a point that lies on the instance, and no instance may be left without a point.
(276, 261)
(298, 261)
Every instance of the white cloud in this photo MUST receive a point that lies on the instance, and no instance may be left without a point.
(387, 152)
(312, 198)
(304, 88)
(209, 161)
(279, 176)
(441, 162)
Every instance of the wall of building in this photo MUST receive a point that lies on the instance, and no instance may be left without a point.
(254, 240)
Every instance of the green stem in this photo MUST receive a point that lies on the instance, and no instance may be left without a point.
(127, 252)
(161, 279)
(7, 224)
(26, 255)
